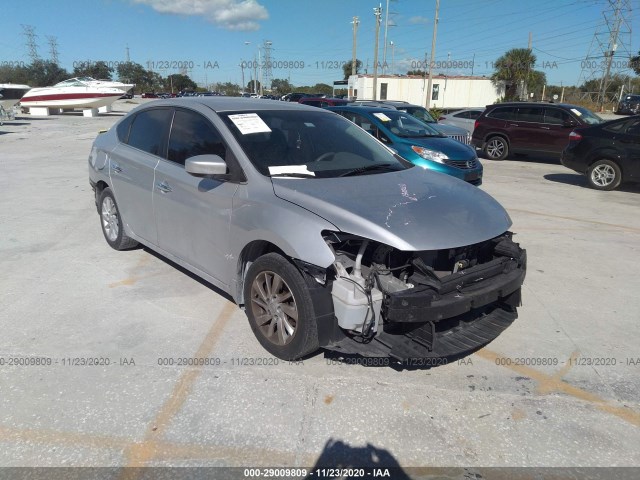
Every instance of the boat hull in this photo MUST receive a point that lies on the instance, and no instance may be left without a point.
(70, 100)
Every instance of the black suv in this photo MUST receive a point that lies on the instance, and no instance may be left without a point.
(629, 104)
(528, 127)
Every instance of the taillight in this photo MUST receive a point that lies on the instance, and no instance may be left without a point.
(475, 124)
(575, 136)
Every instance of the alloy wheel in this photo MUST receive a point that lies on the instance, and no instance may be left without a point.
(110, 219)
(274, 308)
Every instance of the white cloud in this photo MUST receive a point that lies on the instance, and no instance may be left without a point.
(419, 20)
(229, 14)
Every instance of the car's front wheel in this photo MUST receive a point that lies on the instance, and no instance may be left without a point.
(604, 175)
(111, 222)
(496, 148)
(279, 308)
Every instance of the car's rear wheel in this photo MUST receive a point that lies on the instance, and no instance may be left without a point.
(279, 308)
(604, 175)
(496, 148)
(111, 222)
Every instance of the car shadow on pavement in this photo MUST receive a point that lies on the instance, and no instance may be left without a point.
(578, 180)
(339, 459)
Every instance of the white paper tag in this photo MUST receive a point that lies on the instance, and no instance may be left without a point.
(382, 116)
(249, 123)
(577, 112)
(284, 169)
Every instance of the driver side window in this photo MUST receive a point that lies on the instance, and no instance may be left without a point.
(191, 135)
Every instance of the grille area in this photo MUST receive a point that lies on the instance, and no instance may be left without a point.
(462, 164)
(466, 139)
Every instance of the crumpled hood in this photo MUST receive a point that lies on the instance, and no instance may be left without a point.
(411, 210)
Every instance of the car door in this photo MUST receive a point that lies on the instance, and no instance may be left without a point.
(630, 142)
(526, 132)
(193, 214)
(131, 169)
(557, 127)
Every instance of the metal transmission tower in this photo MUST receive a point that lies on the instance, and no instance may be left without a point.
(613, 39)
(53, 48)
(32, 47)
(266, 72)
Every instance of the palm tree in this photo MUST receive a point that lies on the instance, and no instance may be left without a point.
(515, 69)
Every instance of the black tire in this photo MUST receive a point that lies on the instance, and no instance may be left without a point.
(496, 148)
(272, 312)
(111, 222)
(604, 175)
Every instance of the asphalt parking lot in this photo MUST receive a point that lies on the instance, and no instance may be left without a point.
(559, 388)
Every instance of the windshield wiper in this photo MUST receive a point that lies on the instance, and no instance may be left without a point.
(293, 174)
(368, 168)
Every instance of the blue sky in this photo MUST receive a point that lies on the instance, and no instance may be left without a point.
(311, 37)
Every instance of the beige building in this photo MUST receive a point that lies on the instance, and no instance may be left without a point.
(446, 91)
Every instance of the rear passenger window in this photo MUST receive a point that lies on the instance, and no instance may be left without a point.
(462, 115)
(191, 135)
(530, 114)
(122, 130)
(149, 129)
(555, 116)
(503, 113)
(633, 128)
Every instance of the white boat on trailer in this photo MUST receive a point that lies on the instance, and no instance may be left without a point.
(10, 94)
(69, 95)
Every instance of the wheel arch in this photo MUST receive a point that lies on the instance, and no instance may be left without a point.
(249, 254)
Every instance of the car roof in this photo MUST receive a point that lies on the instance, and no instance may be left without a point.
(230, 104)
(360, 109)
(532, 104)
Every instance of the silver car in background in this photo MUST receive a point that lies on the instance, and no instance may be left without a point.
(462, 118)
(323, 235)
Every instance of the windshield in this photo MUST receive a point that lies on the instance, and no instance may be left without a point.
(420, 113)
(405, 125)
(308, 144)
(587, 116)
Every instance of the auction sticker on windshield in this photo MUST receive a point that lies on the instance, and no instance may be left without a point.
(382, 117)
(249, 123)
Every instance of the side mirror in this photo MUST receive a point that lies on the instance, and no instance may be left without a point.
(205, 166)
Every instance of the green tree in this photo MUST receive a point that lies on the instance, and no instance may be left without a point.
(44, 73)
(514, 69)
(98, 70)
(281, 86)
(251, 88)
(346, 68)
(178, 82)
(228, 88)
(420, 73)
(634, 63)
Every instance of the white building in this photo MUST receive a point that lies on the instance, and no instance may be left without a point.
(447, 91)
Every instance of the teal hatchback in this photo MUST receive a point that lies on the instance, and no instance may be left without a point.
(416, 141)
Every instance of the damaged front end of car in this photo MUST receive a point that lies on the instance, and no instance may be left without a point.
(417, 304)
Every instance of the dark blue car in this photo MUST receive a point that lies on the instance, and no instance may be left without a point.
(416, 141)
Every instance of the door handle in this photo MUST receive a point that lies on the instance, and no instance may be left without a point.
(115, 167)
(514, 125)
(546, 128)
(164, 187)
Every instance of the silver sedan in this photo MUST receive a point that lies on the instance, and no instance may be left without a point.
(325, 236)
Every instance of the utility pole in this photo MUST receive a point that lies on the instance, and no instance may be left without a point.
(613, 45)
(393, 57)
(242, 69)
(354, 60)
(32, 46)
(386, 26)
(53, 48)
(433, 53)
(523, 84)
(378, 14)
(128, 58)
(267, 73)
